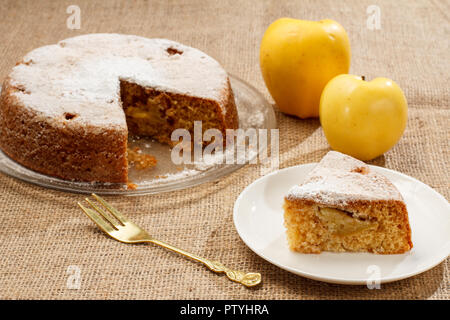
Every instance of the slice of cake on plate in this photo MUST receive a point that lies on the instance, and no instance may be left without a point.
(345, 206)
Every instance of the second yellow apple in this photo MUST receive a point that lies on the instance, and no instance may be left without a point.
(363, 119)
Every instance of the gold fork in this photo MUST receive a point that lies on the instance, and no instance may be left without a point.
(118, 227)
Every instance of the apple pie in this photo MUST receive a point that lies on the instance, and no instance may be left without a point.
(345, 206)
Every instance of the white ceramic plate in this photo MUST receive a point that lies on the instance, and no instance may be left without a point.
(258, 217)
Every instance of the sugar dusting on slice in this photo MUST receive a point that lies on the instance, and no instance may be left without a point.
(338, 179)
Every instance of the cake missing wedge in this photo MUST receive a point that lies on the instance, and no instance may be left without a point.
(68, 109)
(344, 206)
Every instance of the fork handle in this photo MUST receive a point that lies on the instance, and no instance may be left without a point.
(248, 279)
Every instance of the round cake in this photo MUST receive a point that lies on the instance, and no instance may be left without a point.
(66, 109)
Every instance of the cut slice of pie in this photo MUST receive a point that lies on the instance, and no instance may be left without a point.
(345, 206)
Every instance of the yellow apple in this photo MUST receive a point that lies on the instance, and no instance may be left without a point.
(360, 118)
(298, 58)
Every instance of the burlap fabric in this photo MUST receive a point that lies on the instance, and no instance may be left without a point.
(43, 232)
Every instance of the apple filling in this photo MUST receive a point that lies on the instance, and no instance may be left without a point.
(343, 223)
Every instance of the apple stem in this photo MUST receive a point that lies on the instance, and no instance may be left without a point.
(363, 78)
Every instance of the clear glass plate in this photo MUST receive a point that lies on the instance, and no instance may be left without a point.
(254, 112)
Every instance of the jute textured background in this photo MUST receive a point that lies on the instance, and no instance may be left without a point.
(43, 232)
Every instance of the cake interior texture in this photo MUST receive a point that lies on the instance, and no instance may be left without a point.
(156, 114)
(363, 226)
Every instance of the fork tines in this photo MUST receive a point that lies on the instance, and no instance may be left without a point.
(109, 219)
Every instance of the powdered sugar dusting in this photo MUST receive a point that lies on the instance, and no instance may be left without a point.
(186, 173)
(339, 179)
(82, 74)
